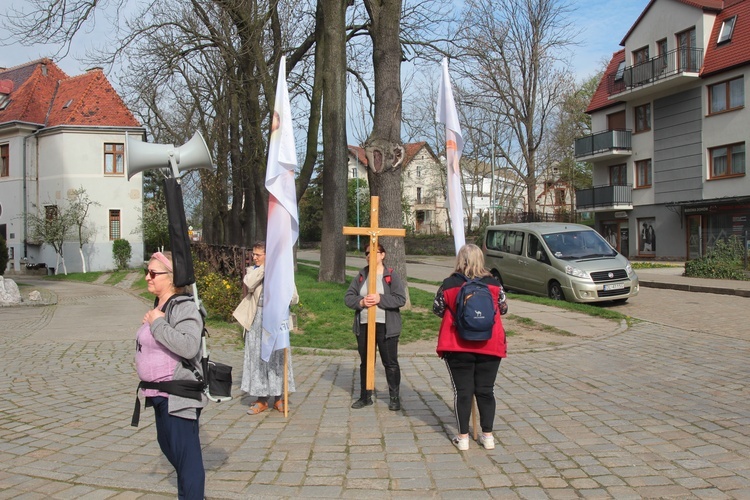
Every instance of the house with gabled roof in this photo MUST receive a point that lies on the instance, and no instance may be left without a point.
(422, 186)
(59, 134)
(670, 130)
(423, 189)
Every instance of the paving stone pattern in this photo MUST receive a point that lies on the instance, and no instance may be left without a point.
(653, 412)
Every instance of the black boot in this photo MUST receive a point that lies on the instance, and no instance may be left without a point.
(364, 400)
(395, 403)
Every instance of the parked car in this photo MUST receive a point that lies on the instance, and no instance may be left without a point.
(558, 260)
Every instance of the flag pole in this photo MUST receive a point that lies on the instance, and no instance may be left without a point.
(286, 381)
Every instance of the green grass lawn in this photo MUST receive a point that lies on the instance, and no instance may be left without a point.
(324, 322)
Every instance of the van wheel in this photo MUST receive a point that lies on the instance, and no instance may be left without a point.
(499, 278)
(555, 291)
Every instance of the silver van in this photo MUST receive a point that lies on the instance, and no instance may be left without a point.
(558, 260)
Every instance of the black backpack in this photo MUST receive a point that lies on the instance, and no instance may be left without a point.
(474, 315)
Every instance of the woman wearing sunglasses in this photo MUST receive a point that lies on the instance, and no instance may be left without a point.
(389, 298)
(167, 359)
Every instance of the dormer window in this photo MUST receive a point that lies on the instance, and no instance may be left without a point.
(620, 71)
(4, 101)
(67, 104)
(727, 27)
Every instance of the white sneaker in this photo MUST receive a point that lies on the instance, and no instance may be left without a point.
(487, 441)
(461, 443)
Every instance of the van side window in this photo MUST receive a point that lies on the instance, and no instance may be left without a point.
(535, 245)
(514, 242)
(495, 240)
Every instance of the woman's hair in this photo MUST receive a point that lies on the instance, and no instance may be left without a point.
(168, 255)
(470, 261)
(380, 248)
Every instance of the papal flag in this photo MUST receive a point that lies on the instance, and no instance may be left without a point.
(283, 223)
(454, 145)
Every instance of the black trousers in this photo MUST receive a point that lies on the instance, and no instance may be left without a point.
(388, 349)
(473, 375)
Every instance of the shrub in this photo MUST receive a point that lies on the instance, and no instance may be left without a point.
(220, 295)
(723, 261)
(121, 252)
(3, 255)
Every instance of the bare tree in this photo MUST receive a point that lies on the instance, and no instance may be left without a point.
(51, 227)
(78, 211)
(332, 50)
(512, 62)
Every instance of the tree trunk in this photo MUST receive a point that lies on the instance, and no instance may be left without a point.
(331, 24)
(385, 152)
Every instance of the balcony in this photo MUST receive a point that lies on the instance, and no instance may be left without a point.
(605, 198)
(665, 71)
(603, 145)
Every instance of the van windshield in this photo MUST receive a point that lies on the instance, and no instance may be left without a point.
(575, 245)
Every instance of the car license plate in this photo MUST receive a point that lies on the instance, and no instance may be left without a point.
(614, 286)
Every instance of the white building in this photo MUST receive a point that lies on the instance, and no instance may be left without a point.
(59, 134)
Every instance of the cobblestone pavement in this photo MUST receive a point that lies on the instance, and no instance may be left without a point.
(656, 411)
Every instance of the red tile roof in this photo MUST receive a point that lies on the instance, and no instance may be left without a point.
(717, 58)
(600, 100)
(735, 52)
(41, 90)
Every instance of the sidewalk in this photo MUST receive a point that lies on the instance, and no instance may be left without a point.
(654, 412)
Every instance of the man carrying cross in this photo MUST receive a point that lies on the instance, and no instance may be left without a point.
(377, 318)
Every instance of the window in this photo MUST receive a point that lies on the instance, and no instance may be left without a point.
(643, 118)
(727, 27)
(114, 158)
(727, 161)
(687, 53)
(618, 175)
(50, 212)
(496, 240)
(354, 172)
(726, 96)
(559, 197)
(640, 56)
(419, 195)
(419, 171)
(514, 242)
(620, 71)
(661, 63)
(114, 225)
(535, 246)
(643, 173)
(5, 167)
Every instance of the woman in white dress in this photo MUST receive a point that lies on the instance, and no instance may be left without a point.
(264, 380)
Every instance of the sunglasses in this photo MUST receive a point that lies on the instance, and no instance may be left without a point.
(153, 274)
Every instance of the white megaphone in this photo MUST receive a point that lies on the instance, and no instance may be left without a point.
(140, 156)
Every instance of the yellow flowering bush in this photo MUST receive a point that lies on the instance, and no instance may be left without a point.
(220, 295)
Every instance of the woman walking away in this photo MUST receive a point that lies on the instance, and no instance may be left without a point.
(389, 297)
(472, 364)
(260, 378)
(167, 359)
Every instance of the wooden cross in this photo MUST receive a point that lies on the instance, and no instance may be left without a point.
(374, 231)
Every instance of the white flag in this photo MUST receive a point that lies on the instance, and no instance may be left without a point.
(283, 223)
(454, 145)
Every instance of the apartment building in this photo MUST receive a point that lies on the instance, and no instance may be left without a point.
(670, 130)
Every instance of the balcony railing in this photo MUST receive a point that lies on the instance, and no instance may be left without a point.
(604, 196)
(674, 62)
(611, 140)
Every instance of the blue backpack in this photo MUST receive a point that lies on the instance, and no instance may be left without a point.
(474, 316)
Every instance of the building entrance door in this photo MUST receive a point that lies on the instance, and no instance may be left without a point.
(694, 236)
